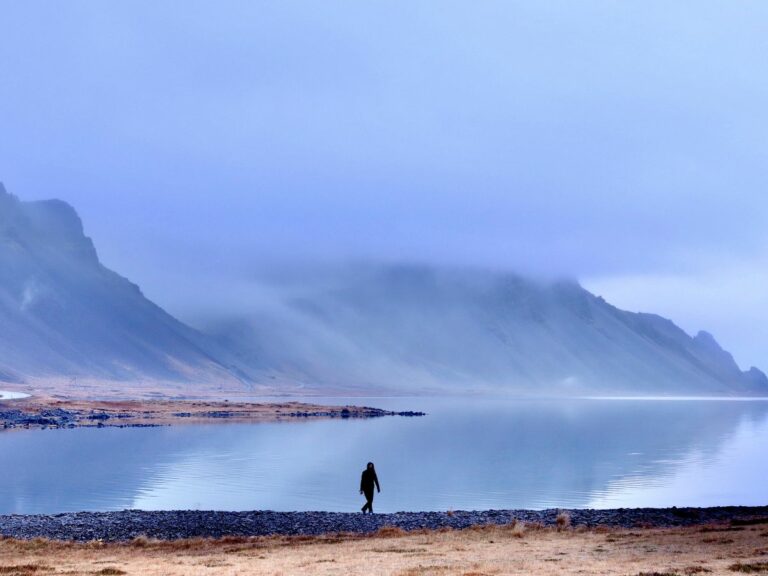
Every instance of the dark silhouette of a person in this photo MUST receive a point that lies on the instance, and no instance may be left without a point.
(367, 481)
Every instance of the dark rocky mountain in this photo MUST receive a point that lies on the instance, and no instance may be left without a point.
(63, 314)
(406, 329)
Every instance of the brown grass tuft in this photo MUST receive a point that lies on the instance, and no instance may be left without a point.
(748, 521)
(23, 569)
(110, 571)
(427, 570)
(717, 540)
(720, 528)
(563, 521)
(749, 567)
(518, 529)
(140, 541)
(34, 544)
(233, 539)
(390, 532)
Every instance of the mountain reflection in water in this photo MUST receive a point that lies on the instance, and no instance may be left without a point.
(468, 453)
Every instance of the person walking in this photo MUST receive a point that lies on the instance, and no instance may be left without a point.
(367, 481)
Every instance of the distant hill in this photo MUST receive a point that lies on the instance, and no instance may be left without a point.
(64, 314)
(405, 329)
(416, 328)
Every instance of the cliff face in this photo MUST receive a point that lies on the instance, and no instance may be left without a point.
(64, 314)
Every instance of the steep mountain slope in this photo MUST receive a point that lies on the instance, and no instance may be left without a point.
(407, 329)
(64, 314)
(421, 329)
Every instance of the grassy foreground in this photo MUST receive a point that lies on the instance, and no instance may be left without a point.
(488, 550)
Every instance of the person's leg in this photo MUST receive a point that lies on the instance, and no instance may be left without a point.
(369, 503)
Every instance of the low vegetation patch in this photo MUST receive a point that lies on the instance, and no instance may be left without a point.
(748, 521)
(23, 569)
(518, 529)
(715, 528)
(563, 521)
(749, 567)
(717, 540)
(390, 532)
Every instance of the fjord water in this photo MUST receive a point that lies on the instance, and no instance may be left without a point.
(467, 453)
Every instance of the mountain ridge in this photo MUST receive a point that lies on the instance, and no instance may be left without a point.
(437, 329)
(399, 328)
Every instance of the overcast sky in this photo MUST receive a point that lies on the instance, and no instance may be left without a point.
(622, 143)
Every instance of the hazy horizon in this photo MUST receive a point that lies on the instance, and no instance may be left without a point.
(619, 144)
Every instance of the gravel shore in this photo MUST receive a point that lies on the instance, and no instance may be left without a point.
(177, 524)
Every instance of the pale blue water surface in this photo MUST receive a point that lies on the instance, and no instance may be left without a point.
(468, 453)
(7, 395)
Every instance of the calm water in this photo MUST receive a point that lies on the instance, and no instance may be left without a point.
(6, 395)
(466, 454)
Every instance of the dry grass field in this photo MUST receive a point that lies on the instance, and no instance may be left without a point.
(518, 549)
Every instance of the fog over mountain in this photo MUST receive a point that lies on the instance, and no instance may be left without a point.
(363, 328)
(421, 328)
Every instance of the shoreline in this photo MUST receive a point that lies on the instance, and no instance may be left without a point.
(56, 413)
(127, 525)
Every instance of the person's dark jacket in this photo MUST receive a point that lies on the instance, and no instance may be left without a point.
(368, 480)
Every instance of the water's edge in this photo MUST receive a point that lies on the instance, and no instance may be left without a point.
(177, 524)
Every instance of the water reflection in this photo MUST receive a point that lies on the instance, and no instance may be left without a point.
(8, 395)
(478, 453)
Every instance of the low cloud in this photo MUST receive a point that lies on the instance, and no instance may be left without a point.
(727, 299)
